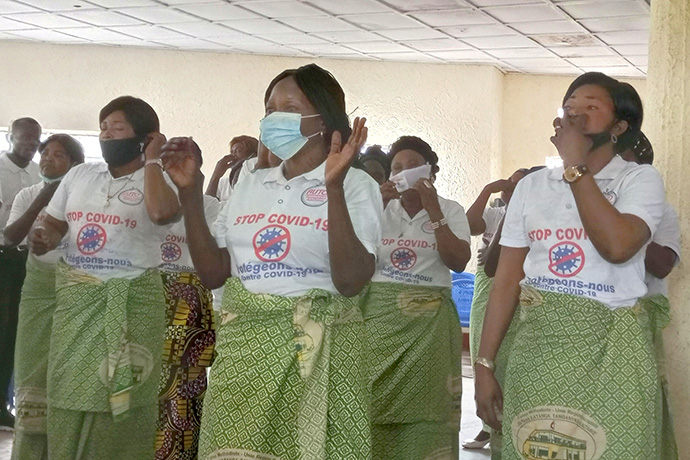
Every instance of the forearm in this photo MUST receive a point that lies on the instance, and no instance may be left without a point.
(493, 252)
(17, 230)
(617, 237)
(475, 214)
(352, 266)
(212, 188)
(454, 252)
(503, 301)
(162, 204)
(211, 263)
(659, 260)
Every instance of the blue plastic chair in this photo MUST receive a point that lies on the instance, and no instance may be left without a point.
(462, 291)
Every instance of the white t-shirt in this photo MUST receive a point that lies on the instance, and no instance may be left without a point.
(21, 204)
(666, 235)
(174, 252)
(224, 189)
(408, 252)
(492, 218)
(276, 230)
(543, 216)
(12, 180)
(107, 240)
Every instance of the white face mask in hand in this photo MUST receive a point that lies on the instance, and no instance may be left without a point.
(406, 179)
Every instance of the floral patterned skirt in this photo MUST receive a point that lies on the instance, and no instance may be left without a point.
(187, 352)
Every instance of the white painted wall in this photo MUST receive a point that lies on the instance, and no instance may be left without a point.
(214, 97)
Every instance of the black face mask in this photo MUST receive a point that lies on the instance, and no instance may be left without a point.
(599, 139)
(119, 152)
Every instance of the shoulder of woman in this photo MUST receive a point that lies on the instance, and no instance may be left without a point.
(358, 178)
(637, 173)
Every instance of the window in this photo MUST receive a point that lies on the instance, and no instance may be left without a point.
(89, 139)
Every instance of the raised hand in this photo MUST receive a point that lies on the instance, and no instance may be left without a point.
(182, 161)
(341, 156)
(225, 163)
(389, 192)
(427, 192)
(570, 139)
(501, 185)
(154, 142)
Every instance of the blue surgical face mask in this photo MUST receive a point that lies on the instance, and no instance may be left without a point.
(50, 180)
(281, 133)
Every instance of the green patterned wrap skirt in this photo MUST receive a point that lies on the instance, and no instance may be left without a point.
(104, 362)
(415, 346)
(480, 299)
(582, 382)
(288, 381)
(31, 361)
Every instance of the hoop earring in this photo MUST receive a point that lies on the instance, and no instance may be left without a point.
(614, 138)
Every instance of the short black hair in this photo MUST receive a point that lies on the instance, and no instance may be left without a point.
(376, 153)
(138, 113)
(643, 151)
(414, 143)
(325, 94)
(24, 122)
(72, 147)
(627, 105)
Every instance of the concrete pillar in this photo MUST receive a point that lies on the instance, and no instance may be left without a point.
(667, 123)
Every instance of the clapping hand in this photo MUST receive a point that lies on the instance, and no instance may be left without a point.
(182, 161)
(341, 156)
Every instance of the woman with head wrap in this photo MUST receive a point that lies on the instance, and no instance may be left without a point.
(296, 244)
(108, 326)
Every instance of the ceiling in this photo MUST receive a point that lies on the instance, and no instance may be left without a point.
(517, 36)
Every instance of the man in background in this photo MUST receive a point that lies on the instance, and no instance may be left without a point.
(17, 171)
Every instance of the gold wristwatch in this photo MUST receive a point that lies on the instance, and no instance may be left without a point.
(573, 173)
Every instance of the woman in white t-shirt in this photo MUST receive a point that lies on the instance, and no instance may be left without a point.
(242, 150)
(413, 330)
(296, 244)
(59, 153)
(109, 323)
(487, 221)
(581, 378)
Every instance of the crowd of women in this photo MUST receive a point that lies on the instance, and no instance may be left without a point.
(336, 336)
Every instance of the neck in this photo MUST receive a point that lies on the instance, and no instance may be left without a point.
(128, 168)
(303, 162)
(18, 159)
(411, 202)
(597, 159)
